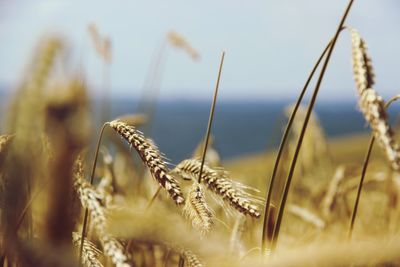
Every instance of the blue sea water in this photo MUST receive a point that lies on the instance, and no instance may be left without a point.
(239, 128)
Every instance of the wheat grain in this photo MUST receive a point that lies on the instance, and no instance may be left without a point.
(191, 259)
(197, 210)
(370, 102)
(373, 107)
(220, 184)
(90, 252)
(151, 157)
(90, 200)
(363, 73)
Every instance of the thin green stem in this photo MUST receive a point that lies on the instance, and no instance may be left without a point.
(303, 130)
(364, 172)
(85, 220)
(211, 117)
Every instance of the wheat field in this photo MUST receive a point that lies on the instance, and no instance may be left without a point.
(75, 192)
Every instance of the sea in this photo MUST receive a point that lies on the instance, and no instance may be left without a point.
(239, 127)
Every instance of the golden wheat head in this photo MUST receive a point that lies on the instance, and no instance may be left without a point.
(220, 184)
(90, 253)
(197, 210)
(371, 103)
(191, 259)
(90, 200)
(363, 72)
(151, 157)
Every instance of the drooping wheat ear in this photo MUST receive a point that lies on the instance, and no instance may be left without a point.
(219, 183)
(196, 209)
(151, 157)
(191, 259)
(90, 252)
(90, 200)
(180, 42)
(101, 44)
(370, 102)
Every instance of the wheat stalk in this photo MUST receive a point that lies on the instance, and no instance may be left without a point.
(220, 184)
(197, 210)
(151, 157)
(311, 104)
(370, 102)
(90, 200)
(90, 252)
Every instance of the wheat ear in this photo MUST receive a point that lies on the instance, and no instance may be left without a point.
(90, 200)
(191, 259)
(370, 102)
(307, 216)
(5, 141)
(90, 252)
(333, 189)
(197, 210)
(220, 184)
(151, 157)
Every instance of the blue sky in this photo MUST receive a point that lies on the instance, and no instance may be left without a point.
(270, 45)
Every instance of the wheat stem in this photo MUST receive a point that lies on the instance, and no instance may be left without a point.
(303, 130)
(85, 219)
(266, 234)
(211, 117)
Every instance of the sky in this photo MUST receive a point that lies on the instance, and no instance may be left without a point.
(270, 45)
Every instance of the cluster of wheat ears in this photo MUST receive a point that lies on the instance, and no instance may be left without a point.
(57, 211)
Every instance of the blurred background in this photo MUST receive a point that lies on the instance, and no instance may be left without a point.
(161, 58)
